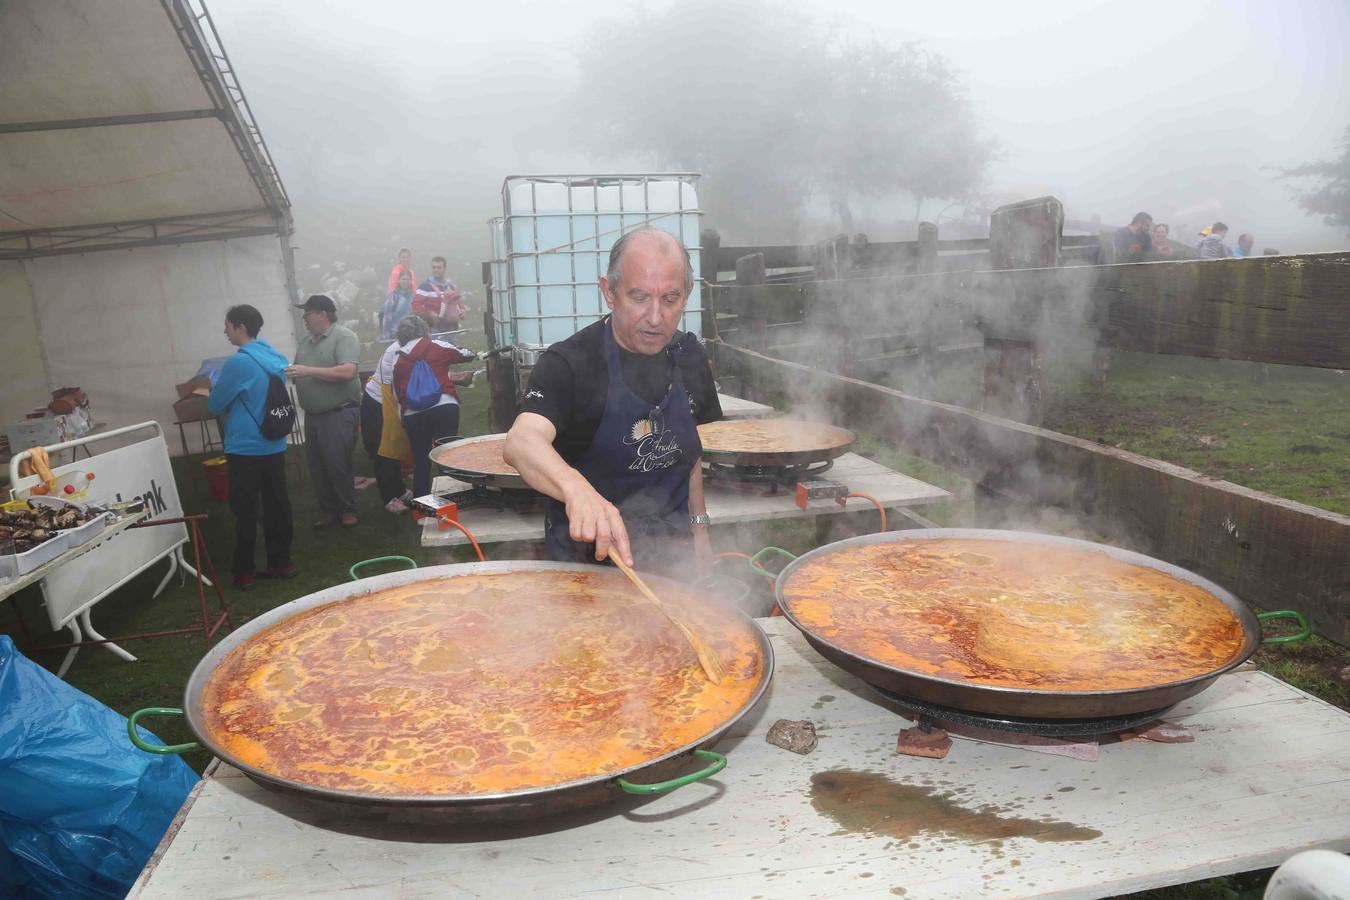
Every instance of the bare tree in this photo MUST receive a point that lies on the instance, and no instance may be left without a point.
(893, 119)
(775, 112)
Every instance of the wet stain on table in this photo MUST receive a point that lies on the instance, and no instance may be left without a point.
(871, 803)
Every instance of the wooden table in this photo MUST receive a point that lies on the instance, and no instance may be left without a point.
(736, 408)
(726, 506)
(1267, 775)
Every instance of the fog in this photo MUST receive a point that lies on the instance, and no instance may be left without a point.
(394, 123)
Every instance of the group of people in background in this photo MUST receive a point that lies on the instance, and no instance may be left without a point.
(409, 404)
(436, 299)
(1144, 240)
(1212, 246)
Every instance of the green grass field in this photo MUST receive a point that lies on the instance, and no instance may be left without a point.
(1280, 429)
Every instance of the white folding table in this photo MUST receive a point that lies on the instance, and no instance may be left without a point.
(1268, 775)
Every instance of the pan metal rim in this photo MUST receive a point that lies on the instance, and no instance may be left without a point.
(474, 476)
(192, 706)
(1251, 629)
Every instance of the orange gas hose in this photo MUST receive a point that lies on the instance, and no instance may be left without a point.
(468, 534)
(881, 509)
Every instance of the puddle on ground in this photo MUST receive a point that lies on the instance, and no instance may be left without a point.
(871, 803)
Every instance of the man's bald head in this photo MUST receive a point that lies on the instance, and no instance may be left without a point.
(662, 242)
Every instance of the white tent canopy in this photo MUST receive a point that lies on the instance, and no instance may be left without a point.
(137, 202)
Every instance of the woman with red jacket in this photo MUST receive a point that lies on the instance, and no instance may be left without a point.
(440, 419)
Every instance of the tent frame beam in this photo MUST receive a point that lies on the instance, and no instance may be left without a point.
(103, 121)
(142, 233)
(207, 54)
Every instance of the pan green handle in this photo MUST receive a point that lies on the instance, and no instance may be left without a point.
(157, 748)
(757, 561)
(412, 564)
(1304, 629)
(719, 762)
(712, 582)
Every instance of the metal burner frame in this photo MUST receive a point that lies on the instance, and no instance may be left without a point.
(765, 479)
(935, 714)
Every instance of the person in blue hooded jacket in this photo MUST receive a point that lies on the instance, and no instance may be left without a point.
(256, 464)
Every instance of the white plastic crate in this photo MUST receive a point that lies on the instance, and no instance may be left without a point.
(553, 241)
(83, 534)
(14, 564)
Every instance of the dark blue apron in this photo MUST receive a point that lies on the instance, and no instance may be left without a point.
(639, 460)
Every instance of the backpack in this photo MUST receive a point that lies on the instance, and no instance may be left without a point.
(278, 411)
(424, 389)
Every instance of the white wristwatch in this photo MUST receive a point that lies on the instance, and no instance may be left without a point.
(700, 519)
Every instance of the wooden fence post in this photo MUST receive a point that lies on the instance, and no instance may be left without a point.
(1024, 235)
(926, 259)
(710, 244)
(751, 323)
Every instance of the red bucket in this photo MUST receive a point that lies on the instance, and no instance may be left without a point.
(217, 477)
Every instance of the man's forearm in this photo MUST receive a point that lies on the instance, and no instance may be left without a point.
(542, 468)
(341, 372)
(697, 505)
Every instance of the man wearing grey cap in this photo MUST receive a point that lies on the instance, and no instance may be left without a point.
(329, 392)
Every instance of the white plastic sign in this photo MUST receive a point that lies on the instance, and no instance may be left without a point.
(140, 470)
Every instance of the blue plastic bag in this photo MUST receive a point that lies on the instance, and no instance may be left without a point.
(424, 390)
(81, 809)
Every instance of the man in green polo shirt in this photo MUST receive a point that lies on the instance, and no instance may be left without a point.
(329, 393)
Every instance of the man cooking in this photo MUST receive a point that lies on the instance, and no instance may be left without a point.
(609, 425)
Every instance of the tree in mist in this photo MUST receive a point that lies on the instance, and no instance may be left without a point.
(893, 119)
(1330, 198)
(776, 111)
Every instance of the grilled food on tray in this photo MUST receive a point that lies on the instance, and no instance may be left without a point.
(26, 528)
(476, 684)
(1013, 615)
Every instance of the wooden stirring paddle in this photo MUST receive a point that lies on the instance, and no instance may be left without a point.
(712, 666)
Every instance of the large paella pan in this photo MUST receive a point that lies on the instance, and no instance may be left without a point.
(494, 690)
(1010, 623)
(772, 442)
(478, 460)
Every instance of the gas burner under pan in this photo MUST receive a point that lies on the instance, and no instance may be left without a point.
(931, 712)
(479, 497)
(768, 478)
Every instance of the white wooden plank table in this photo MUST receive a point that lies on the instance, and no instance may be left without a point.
(737, 408)
(726, 506)
(1267, 775)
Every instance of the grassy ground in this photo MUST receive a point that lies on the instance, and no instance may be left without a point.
(1280, 429)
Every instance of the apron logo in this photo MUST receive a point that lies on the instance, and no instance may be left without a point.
(654, 445)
